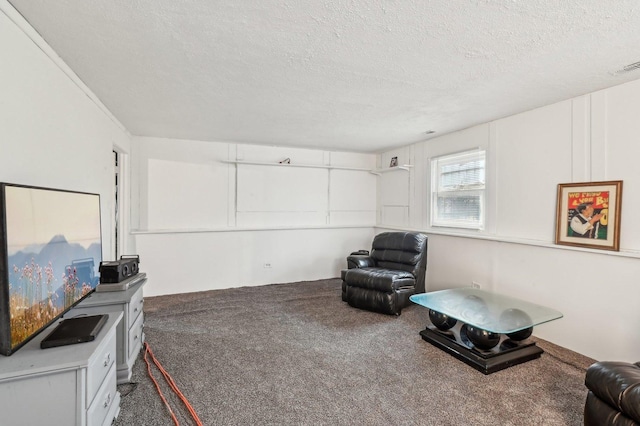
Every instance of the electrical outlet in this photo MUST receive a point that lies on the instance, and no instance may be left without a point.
(267, 265)
(475, 284)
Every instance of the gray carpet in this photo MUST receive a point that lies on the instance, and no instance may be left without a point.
(294, 354)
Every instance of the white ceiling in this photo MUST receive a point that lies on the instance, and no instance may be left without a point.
(355, 75)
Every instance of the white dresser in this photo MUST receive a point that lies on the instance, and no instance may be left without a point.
(130, 334)
(66, 385)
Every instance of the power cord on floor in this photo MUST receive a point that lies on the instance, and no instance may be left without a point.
(172, 384)
(127, 388)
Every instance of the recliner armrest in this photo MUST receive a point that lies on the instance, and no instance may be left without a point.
(359, 261)
(617, 384)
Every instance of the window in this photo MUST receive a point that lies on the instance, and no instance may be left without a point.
(457, 190)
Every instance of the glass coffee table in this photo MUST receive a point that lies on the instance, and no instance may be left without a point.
(488, 331)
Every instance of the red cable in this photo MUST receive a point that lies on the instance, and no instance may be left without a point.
(166, 403)
(172, 384)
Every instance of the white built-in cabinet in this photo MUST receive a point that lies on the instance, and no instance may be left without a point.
(130, 332)
(247, 187)
(272, 194)
(66, 385)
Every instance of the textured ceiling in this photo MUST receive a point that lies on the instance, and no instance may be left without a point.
(356, 75)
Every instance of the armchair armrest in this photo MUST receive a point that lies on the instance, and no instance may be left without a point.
(617, 384)
(360, 261)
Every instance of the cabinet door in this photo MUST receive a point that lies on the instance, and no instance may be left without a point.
(135, 337)
(106, 396)
(135, 308)
(54, 397)
(99, 366)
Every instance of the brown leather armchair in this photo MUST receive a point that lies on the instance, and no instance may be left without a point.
(384, 280)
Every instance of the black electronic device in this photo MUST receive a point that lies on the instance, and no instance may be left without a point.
(75, 330)
(360, 253)
(115, 271)
(122, 285)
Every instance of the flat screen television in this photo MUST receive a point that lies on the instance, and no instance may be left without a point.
(50, 253)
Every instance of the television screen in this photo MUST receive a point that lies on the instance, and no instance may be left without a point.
(50, 252)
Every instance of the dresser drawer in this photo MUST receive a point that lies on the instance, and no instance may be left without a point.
(98, 410)
(135, 308)
(135, 336)
(99, 366)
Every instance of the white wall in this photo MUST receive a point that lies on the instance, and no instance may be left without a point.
(198, 261)
(588, 138)
(203, 222)
(53, 133)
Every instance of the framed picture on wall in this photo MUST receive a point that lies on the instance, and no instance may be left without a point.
(588, 214)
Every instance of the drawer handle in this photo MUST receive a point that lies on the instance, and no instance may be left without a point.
(135, 310)
(107, 360)
(135, 337)
(107, 400)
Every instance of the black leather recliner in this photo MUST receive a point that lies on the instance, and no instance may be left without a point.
(384, 280)
(614, 394)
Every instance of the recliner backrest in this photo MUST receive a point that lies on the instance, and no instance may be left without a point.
(405, 251)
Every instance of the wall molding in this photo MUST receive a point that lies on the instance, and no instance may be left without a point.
(245, 229)
(510, 240)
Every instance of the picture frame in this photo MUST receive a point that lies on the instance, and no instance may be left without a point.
(588, 214)
(394, 162)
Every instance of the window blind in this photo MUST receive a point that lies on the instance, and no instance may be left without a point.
(457, 190)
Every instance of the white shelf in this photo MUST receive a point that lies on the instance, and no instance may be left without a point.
(378, 172)
(245, 229)
(406, 167)
(509, 240)
(309, 166)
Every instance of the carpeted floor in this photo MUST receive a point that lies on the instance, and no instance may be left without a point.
(295, 354)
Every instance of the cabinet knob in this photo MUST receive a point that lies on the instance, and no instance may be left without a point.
(107, 400)
(107, 360)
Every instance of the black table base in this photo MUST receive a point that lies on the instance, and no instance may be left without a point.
(506, 353)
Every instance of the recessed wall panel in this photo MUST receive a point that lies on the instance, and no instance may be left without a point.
(395, 188)
(186, 195)
(352, 191)
(282, 189)
(533, 155)
(395, 215)
(620, 143)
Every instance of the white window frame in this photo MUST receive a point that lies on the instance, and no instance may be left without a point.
(478, 189)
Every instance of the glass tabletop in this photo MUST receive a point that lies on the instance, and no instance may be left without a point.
(489, 311)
